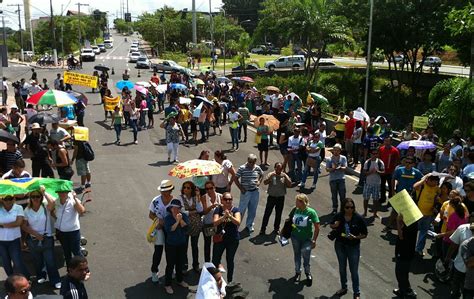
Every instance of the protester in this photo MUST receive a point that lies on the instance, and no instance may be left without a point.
(15, 119)
(211, 284)
(201, 180)
(82, 164)
(336, 166)
(59, 134)
(17, 286)
(72, 285)
(277, 182)
(426, 165)
(390, 157)
(173, 133)
(263, 132)
(175, 224)
(373, 169)
(304, 234)
(226, 220)
(295, 145)
(116, 123)
(313, 148)
(134, 114)
(37, 147)
(250, 176)
(62, 162)
(245, 113)
(283, 145)
(222, 181)
(234, 120)
(209, 202)
(349, 229)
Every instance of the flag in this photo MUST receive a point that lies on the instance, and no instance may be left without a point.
(111, 103)
(26, 185)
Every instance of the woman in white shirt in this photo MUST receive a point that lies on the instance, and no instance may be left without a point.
(11, 218)
(67, 209)
(209, 202)
(222, 181)
(37, 224)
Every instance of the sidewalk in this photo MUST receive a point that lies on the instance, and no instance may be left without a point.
(34, 65)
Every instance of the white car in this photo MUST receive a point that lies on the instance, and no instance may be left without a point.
(294, 61)
(87, 54)
(134, 56)
(96, 50)
(109, 44)
(134, 48)
(143, 62)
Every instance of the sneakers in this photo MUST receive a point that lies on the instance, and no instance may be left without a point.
(301, 185)
(309, 279)
(41, 280)
(251, 229)
(57, 286)
(87, 185)
(136, 142)
(154, 277)
(169, 290)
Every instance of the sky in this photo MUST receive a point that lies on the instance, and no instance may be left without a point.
(40, 8)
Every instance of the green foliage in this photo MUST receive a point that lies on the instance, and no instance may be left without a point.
(242, 10)
(177, 57)
(455, 106)
(12, 45)
(121, 26)
(288, 50)
(460, 23)
(243, 47)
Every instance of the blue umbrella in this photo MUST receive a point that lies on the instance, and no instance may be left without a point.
(178, 86)
(124, 83)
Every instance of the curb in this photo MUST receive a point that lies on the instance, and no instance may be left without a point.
(36, 66)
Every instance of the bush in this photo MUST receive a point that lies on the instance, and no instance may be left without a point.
(175, 56)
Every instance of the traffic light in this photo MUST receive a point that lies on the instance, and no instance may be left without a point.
(128, 17)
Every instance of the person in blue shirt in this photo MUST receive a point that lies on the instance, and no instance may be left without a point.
(175, 246)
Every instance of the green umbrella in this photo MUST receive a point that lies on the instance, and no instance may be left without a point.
(319, 98)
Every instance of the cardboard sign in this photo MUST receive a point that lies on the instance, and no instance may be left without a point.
(404, 204)
(81, 133)
(80, 79)
(420, 122)
(111, 103)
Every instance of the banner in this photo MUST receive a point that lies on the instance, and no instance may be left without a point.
(81, 133)
(404, 205)
(111, 103)
(26, 185)
(80, 79)
(420, 122)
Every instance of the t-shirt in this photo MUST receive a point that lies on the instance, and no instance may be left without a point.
(72, 289)
(338, 174)
(357, 135)
(244, 111)
(10, 233)
(67, 218)
(7, 159)
(467, 251)
(178, 236)
(277, 186)
(390, 157)
(58, 134)
(249, 177)
(233, 118)
(461, 234)
(10, 175)
(373, 178)
(295, 142)
(406, 178)
(356, 226)
(426, 168)
(372, 142)
(229, 229)
(443, 161)
(158, 207)
(263, 130)
(427, 199)
(303, 221)
(454, 221)
(221, 180)
(445, 211)
(36, 220)
(37, 144)
(315, 145)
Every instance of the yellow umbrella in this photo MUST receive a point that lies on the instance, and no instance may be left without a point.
(195, 167)
(270, 121)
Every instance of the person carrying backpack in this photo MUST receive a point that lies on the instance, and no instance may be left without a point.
(83, 153)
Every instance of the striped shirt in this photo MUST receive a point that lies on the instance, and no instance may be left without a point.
(249, 176)
(244, 111)
(72, 289)
(8, 159)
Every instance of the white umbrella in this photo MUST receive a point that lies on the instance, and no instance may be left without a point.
(360, 114)
(143, 83)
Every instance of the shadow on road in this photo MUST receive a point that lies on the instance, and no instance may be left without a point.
(264, 240)
(285, 288)
(103, 124)
(147, 289)
(159, 163)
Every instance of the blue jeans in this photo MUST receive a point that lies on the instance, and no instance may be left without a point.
(234, 135)
(296, 166)
(71, 244)
(10, 251)
(348, 253)
(118, 130)
(142, 119)
(337, 187)
(307, 168)
(424, 225)
(249, 200)
(229, 245)
(301, 249)
(133, 124)
(44, 255)
(204, 129)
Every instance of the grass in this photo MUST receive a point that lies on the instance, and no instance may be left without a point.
(233, 62)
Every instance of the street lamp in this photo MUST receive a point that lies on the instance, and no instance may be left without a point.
(369, 56)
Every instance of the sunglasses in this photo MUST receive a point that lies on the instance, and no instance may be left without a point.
(186, 187)
(9, 198)
(227, 199)
(349, 207)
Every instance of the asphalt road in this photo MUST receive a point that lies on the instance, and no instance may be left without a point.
(124, 182)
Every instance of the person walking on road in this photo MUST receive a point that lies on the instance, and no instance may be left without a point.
(116, 123)
(350, 229)
(173, 133)
(304, 234)
(277, 182)
(313, 148)
(336, 166)
(82, 165)
(390, 157)
(134, 115)
(263, 132)
(234, 120)
(222, 181)
(250, 176)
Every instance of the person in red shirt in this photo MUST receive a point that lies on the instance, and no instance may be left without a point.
(155, 79)
(349, 129)
(391, 158)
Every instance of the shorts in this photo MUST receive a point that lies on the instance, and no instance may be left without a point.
(82, 167)
(193, 126)
(263, 145)
(373, 190)
(283, 150)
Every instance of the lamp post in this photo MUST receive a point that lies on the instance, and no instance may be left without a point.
(369, 56)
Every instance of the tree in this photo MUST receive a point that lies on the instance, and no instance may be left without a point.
(121, 26)
(243, 48)
(243, 10)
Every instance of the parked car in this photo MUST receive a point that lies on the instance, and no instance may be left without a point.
(295, 61)
(265, 50)
(134, 48)
(143, 63)
(171, 66)
(432, 61)
(87, 54)
(109, 43)
(101, 47)
(134, 56)
(96, 50)
(249, 66)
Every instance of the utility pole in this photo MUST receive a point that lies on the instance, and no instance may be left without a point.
(4, 51)
(225, 23)
(79, 18)
(53, 34)
(369, 56)
(194, 24)
(32, 38)
(19, 26)
(213, 49)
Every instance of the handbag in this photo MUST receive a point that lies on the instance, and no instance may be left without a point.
(218, 238)
(288, 226)
(258, 139)
(209, 230)
(151, 233)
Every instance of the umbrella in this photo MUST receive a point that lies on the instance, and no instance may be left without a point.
(44, 118)
(178, 86)
(319, 98)
(79, 96)
(194, 168)
(360, 114)
(223, 79)
(143, 83)
(198, 81)
(417, 144)
(141, 89)
(204, 100)
(246, 79)
(270, 121)
(52, 97)
(124, 83)
(102, 68)
(272, 88)
(162, 88)
(197, 110)
(184, 101)
(5, 137)
(171, 114)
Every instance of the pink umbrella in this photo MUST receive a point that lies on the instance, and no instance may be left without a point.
(141, 89)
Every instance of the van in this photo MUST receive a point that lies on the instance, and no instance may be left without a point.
(294, 61)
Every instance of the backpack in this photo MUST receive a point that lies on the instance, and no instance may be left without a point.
(88, 152)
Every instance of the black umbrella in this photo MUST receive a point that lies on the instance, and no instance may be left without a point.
(79, 95)
(5, 137)
(44, 118)
(102, 68)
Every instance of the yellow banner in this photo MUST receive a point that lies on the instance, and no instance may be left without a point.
(80, 79)
(404, 205)
(81, 133)
(111, 103)
(420, 122)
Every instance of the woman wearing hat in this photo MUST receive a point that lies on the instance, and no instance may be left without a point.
(67, 210)
(173, 132)
(175, 225)
(40, 238)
